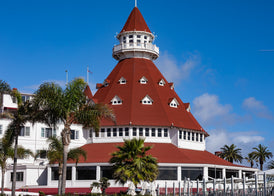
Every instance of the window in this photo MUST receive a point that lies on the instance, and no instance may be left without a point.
(74, 135)
(165, 133)
(120, 131)
(134, 131)
(25, 98)
(216, 173)
(124, 39)
(147, 100)
(114, 132)
(90, 133)
(42, 154)
(184, 135)
(180, 134)
(14, 100)
(161, 82)
(108, 132)
(143, 80)
(107, 172)
(197, 137)
(159, 132)
(126, 131)
(167, 173)
(86, 173)
(48, 132)
(24, 131)
(173, 103)
(130, 40)
(55, 173)
(19, 176)
(1, 129)
(147, 132)
(193, 173)
(188, 135)
(102, 132)
(122, 80)
(193, 134)
(116, 100)
(153, 132)
(141, 132)
(201, 137)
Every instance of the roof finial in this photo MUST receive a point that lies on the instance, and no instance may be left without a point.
(135, 3)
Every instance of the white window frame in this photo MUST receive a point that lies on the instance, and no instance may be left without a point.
(122, 80)
(147, 100)
(162, 82)
(174, 103)
(76, 134)
(24, 131)
(116, 100)
(143, 80)
(45, 132)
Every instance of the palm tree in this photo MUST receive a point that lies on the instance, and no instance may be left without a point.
(262, 153)
(55, 155)
(250, 158)
(231, 153)
(18, 119)
(131, 163)
(6, 152)
(270, 165)
(4, 88)
(54, 105)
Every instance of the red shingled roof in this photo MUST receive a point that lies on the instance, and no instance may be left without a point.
(164, 152)
(132, 111)
(135, 22)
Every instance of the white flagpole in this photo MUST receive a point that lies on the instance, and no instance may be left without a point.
(87, 75)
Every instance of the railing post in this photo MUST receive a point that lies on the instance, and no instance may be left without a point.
(243, 183)
(179, 188)
(197, 187)
(232, 185)
(256, 185)
(204, 187)
(188, 187)
(224, 186)
(165, 188)
(173, 188)
(264, 184)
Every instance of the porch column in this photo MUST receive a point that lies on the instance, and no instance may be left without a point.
(49, 176)
(179, 173)
(98, 173)
(240, 174)
(205, 173)
(73, 175)
(224, 172)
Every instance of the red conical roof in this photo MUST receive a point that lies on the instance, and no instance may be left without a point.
(132, 111)
(135, 22)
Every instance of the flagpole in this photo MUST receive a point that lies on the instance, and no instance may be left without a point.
(66, 76)
(87, 75)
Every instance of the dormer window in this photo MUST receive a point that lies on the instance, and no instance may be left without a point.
(162, 82)
(147, 100)
(187, 106)
(122, 80)
(173, 103)
(171, 85)
(116, 100)
(143, 80)
(106, 82)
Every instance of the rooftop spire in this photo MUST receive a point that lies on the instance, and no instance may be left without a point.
(135, 21)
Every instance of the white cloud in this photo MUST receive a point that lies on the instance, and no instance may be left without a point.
(244, 140)
(257, 108)
(174, 71)
(209, 111)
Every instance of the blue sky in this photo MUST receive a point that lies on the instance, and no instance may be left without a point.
(220, 54)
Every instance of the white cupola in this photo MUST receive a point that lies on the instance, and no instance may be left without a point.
(136, 40)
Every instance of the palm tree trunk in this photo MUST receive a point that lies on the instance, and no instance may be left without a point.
(66, 141)
(2, 180)
(14, 165)
(60, 179)
(64, 173)
(261, 165)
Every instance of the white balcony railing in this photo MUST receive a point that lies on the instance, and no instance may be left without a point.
(136, 46)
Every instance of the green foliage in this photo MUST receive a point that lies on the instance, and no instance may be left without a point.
(231, 153)
(251, 158)
(261, 153)
(270, 165)
(132, 163)
(55, 152)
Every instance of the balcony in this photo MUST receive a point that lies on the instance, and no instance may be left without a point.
(121, 50)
